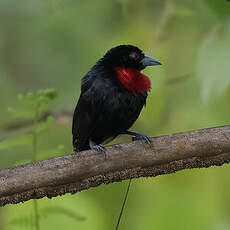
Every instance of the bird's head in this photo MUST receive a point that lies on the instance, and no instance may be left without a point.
(126, 62)
(128, 56)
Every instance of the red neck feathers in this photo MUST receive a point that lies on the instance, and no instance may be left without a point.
(133, 80)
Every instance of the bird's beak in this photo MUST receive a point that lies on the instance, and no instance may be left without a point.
(149, 61)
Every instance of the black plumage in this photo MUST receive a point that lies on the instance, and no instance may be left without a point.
(109, 105)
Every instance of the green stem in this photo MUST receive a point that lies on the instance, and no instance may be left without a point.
(36, 215)
(33, 158)
(123, 205)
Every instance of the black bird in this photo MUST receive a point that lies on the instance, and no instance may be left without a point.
(113, 94)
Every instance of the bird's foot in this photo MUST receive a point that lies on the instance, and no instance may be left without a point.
(75, 149)
(139, 136)
(97, 147)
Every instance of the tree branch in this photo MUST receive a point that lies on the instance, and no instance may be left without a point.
(76, 172)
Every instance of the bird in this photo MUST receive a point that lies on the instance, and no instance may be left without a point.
(112, 96)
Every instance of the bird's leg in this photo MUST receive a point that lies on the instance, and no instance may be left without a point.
(99, 148)
(94, 146)
(138, 136)
(75, 149)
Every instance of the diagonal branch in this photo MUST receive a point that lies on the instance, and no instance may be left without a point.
(76, 172)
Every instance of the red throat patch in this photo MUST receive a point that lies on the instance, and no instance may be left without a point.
(133, 80)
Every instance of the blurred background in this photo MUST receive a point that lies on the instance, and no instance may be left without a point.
(53, 43)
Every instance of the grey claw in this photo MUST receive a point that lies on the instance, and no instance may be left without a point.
(147, 140)
(99, 148)
(142, 137)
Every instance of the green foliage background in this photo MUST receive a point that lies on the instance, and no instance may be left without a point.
(53, 43)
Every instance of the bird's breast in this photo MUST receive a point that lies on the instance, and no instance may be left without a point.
(122, 109)
(133, 80)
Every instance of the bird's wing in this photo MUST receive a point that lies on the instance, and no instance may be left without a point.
(81, 126)
(86, 113)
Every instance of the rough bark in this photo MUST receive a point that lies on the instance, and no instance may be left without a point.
(79, 171)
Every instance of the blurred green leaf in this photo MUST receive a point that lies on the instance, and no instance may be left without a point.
(42, 126)
(46, 212)
(44, 97)
(213, 64)
(20, 140)
(32, 104)
(21, 113)
(22, 221)
(221, 8)
(184, 12)
(51, 152)
(49, 93)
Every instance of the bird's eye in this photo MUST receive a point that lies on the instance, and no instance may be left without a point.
(134, 56)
